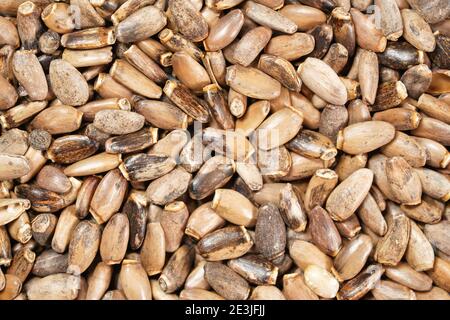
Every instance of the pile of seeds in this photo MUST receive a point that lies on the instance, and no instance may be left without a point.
(224, 149)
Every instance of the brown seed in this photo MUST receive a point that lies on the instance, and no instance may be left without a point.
(434, 107)
(11, 209)
(368, 75)
(65, 227)
(255, 269)
(440, 273)
(323, 232)
(169, 187)
(269, 18)
(145, 64)
(49, 262)
(354, 139)
(107, 87)
(43, 226)
(304, 16)
(196, 278)
(58, 119)
(437, 154)
(323, 36)
(9, 34)
(101, 162)
(323, 81)
(404, 182)
(173, 221)
(359, 286)
(405, 275)
(224, 31)
(130, 77)
(177, 269)
(153, 251)
(188, 20)
(440, 54)
(321, 281)
(391, 248)
(291, 47)
(352, 257)
(134, 29)
(437, 234)
(250, 175)
(203, 221)
(108, 196)
(406, 147)
(161, 114)
(267, 292)
(135, 209)
(215, 173)
(144, 167)
(99, 281)
(113, 244)
(281, 70)
(433, 129)
(388, 290)
(401, 118)
(60, 286)
(368, 36)
(370, 214)
(252, 83)
(391, 19)
(83, 246)
(215, 98)
(186, 101)
(22, 264)
(28, 71)
(417, 31)
(434, 184)
(304, 253)
(435, 293)
(18, 115)
(134, 280)
(355, 187)
(118, 121)
(13, 166)
(38, 139)
(41, 200)
(59, 17)
(400, 56)
(226, 282)
(234, 207)
(68, 83)
(295, 288)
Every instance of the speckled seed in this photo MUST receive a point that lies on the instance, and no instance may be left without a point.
(68, 83)
(118, 121)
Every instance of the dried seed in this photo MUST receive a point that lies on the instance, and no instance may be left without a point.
(404, 183)
(295, 288)
(28, 71)
(323, 36)
(434, 184)
(370, 214)
(99, 163)
(134, 280)
(58, 17)
(43, 226)
(304, 16)
(60, 286)
(349, 194)
(134, 28)
(68, 83)
(114, 241)
(291, 47)
(13, 166)
(270, 233)
(224, 31)
(304, 253)
(234, 207)
(39, 139)
(359, 286)
(173, 221)
(391, 248)
(254, 269)
(406, 147)
(65, 227)
(132, 142)
(368, 36)
(226, 282)
(400, 56)
(99, 281)
(203, 221)
(153, 251)
(83, 246)
(405, 275)
(161, 114)
(177, 269)
(352, 257)
(388, 290)
(135, 209)
(108, 196)
(49, 262)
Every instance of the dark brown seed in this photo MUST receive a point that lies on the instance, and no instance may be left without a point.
(40, 139)
(226, 282)
(270, 232)
(145, 167)
(324, 232)
(323, 35)
(177, 269)
(135, 209)
(41, 200)
(50, 262)
(255, 269)
(359, 286)
(85, 195)
(169, 187)
(440, 56)
(400, 56)
(226, 243)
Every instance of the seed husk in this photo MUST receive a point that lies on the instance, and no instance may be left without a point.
(173, 221)
(295, 288)
(270, 233)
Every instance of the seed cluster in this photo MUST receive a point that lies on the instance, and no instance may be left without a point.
(224, 149)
